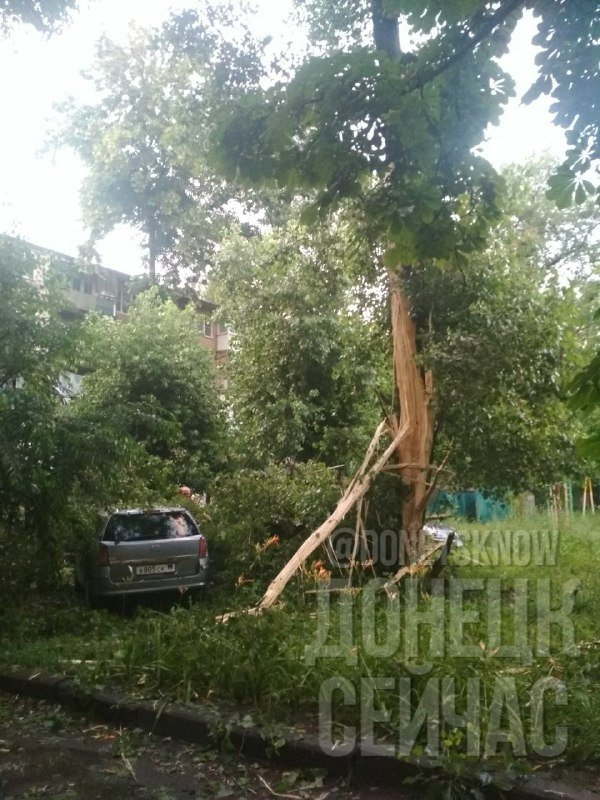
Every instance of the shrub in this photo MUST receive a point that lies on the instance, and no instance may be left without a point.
(257, 519)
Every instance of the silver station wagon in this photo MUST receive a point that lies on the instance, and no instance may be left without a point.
(140, 551)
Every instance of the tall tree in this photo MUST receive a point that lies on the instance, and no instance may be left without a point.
(142, 141)
(389, 125)
(145, 136)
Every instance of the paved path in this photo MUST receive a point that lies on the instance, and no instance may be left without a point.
(47, 753)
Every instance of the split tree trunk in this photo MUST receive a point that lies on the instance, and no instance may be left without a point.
(412, 443)
(414, 387)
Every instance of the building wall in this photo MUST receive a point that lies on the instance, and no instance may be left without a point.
(91, 287)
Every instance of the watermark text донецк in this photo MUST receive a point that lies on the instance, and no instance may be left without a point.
(479, 618)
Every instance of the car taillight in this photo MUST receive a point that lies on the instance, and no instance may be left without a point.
(202, 547)
(103, 556)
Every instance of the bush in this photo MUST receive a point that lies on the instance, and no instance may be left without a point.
(257, 519)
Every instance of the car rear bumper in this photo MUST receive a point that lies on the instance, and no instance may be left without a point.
(102, 586)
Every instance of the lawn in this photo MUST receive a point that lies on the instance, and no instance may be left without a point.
(498, 658)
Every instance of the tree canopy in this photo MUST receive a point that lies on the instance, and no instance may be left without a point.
(144, 139)
(394, 128)
(44, 15)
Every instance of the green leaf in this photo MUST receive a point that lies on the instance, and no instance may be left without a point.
(309, 215)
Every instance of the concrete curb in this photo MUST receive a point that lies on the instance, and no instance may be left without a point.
(199, 726)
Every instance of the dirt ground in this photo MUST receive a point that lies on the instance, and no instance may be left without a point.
(46, 752)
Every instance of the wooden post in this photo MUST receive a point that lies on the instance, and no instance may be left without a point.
(551, 504)
(588, 495)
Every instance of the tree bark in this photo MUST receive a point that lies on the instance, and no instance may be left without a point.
(415, 390)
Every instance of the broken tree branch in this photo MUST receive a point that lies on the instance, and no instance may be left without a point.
(438, 470)
(390, 586)
(369, 454)
(357, 489)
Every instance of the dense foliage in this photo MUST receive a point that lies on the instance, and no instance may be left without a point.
(256, 519)
(147, 416)
(151, 377)
(502, 332)
(32, 355)
(586, 398)
(56, 465)
(505, 339)
(304, 364)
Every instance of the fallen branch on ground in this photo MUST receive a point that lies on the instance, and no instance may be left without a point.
(357, 489)
(411, 569)
(353, 495)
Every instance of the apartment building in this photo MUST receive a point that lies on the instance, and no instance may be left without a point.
(91, 287)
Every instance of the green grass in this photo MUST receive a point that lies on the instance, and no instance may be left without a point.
(260, 665)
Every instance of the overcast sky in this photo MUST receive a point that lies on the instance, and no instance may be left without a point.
(39, 192)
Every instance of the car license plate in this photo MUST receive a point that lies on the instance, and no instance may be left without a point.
(155, 569)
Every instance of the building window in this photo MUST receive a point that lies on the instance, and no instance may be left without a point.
(208, 328)
(87, 285)
(106, 306)
(223, 328)
(76, 283)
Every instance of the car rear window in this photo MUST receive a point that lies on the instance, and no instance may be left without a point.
(149, 526)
